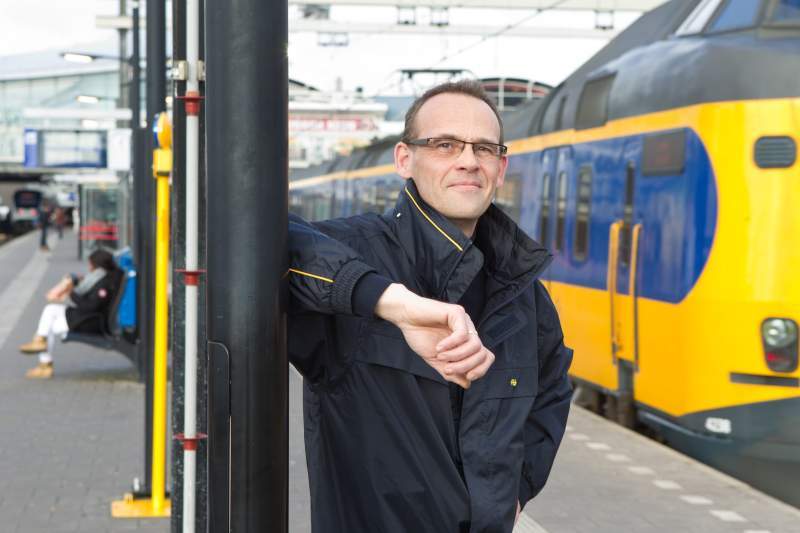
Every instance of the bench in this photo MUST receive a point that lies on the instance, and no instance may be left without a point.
(113, 338)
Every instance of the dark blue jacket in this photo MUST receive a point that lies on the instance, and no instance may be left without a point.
(380, 438)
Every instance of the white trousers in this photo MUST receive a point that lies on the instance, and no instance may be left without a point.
(52, 322)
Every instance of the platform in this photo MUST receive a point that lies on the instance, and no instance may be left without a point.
(74, 443)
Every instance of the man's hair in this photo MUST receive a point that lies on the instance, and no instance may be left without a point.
(467, 87)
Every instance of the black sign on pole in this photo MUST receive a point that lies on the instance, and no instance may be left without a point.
(246, 139)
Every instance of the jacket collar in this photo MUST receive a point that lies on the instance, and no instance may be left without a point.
(446, 261)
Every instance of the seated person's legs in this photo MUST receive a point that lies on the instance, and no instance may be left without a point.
(52, 322)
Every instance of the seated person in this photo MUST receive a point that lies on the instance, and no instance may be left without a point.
(78, 304)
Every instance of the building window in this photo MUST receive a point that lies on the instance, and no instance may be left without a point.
(582, 213)
(561, 210)
(593, 106)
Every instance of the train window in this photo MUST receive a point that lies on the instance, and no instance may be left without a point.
(737, 14)
(561, 210)
(544, 216)
(699, 18)
(582, 213)
(627, 216)
(508, 197)
(593, 106)
(560, 115)
(664, 154)
(786, 11)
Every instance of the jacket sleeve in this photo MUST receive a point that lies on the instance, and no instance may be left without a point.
(547, 419)
(94, 300)
(328, 277)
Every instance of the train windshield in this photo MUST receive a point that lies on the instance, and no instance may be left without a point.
(27, 199)
(786, 12)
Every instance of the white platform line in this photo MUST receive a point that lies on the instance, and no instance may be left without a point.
(618, 458)
(728, 516)
(642, 470)
(600, 446)
(16, 296)
(666, 484)
(578, 436)
(527, 524)
(696, 500)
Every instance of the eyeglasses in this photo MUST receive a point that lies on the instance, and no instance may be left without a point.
(447, 148)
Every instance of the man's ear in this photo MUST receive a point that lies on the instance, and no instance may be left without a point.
(402, 160)
(501, 178)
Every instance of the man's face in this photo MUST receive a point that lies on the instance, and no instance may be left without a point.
(459, 186)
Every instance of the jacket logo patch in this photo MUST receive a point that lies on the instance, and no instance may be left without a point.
(102, 293)
(513, 382)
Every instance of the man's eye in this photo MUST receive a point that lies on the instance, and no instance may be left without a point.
(444, 145)
(483, 148)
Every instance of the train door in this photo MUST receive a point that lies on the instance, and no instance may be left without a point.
(547, 167)
(622, 269)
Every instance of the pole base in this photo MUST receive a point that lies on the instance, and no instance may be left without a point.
(132, 507)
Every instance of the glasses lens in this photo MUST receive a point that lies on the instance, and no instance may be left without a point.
(447, 147)
(487, 150)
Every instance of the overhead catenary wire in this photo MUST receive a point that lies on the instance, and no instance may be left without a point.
(480, 41)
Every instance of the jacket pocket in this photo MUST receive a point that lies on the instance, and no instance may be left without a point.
(519, 382)
(382, 343)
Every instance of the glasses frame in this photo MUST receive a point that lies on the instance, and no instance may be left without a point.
(502, 149)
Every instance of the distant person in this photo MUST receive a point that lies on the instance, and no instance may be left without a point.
(60, 220)
(76, 304)
(45, 212)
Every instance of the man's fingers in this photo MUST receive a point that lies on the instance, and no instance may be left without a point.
(470, 346)
(460, 325)
(459, 380)
(467, 365)
(481, 369)
(456, 338)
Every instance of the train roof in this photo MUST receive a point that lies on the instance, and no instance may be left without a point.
(650, 68)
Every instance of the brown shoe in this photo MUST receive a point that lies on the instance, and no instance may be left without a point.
(40, 371)
(38, 344)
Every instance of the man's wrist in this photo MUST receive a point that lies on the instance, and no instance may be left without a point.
(392, 304)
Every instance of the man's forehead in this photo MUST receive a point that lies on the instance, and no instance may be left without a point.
(444, 112)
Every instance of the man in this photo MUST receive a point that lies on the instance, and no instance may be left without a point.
(392, 444)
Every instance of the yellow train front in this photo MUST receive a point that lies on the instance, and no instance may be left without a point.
(663, 175)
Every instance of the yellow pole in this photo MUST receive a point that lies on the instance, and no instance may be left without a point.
(160, 348)
(157, 504)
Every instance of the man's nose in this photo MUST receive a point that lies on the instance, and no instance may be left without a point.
(467, 159)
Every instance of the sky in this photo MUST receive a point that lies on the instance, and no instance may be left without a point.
(369, 61)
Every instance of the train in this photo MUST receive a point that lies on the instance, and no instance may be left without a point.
(663, 176)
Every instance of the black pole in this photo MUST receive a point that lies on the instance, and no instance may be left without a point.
(178, 305)
(246, 139)
(142, 239)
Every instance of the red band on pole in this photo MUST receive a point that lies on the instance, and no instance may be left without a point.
(191, 102)
(190, 443)
(191, 277)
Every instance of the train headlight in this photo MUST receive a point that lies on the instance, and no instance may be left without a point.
(779, 337)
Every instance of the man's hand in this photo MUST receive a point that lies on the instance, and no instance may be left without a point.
(441, 333)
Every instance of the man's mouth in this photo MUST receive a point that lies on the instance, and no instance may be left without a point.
(465, 185)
